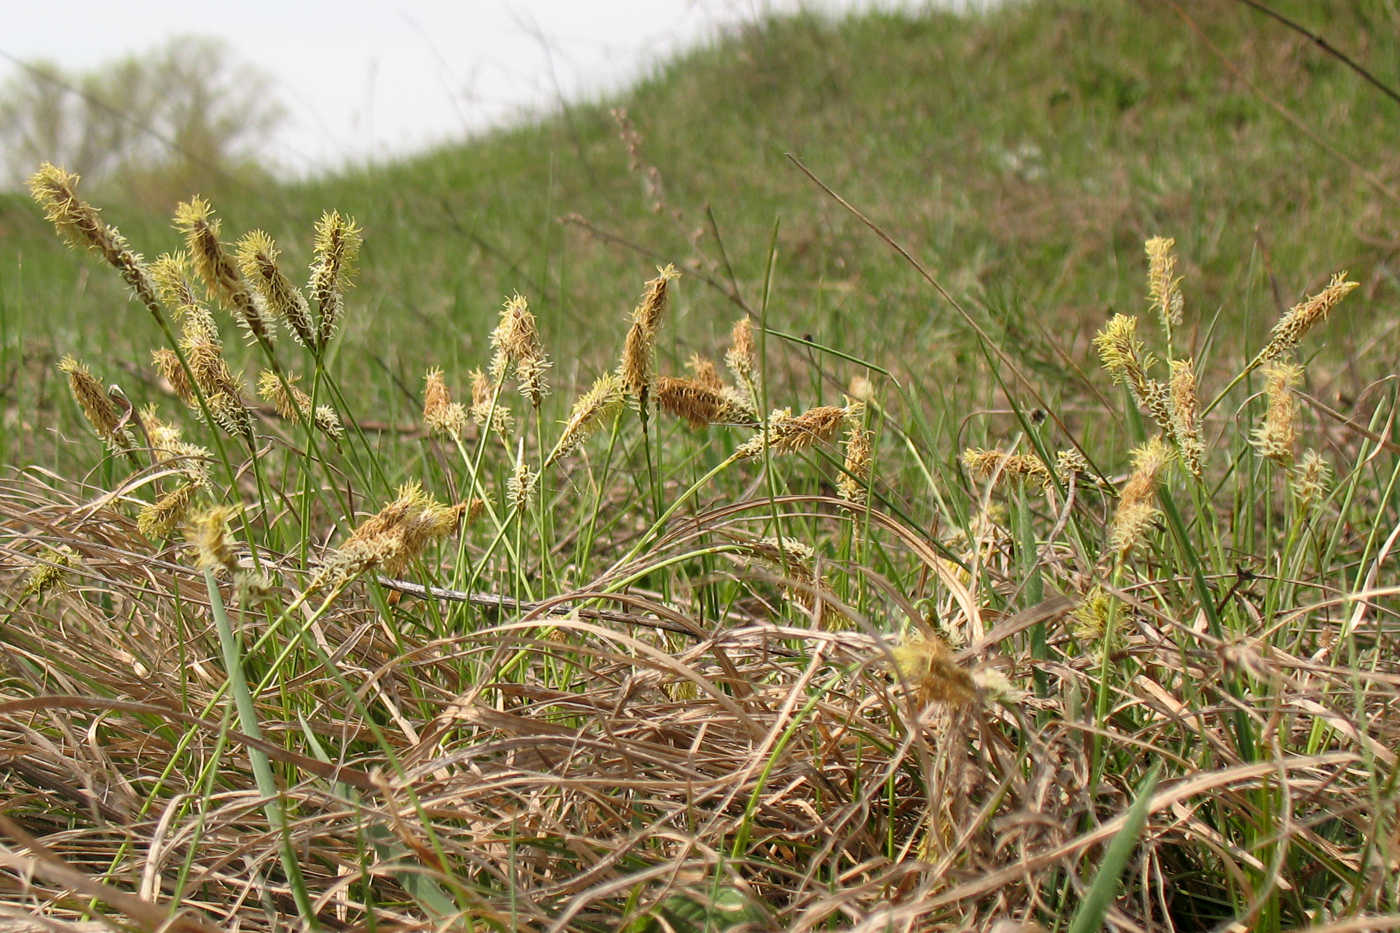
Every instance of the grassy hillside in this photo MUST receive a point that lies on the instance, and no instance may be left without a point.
(1024, 157)
(1062, 596)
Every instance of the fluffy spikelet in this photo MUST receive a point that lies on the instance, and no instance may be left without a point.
(1137, 503)
(703, 371)
(1186, 415)
(1071, 463)
(1163, 284)
(395, 536)
(516, 340)
(80, 224)
(49, 572)
(212, 376)
(653, 302)
(788, 434)
(337, 246)
(1275, 436)
(594, 407)
(160, 518)
(926, 665)
(195, 219)
(701, 404)
(740, 357)
(521, 484)
(1089, 620)
(988, 465)
(1310, 479)
(441, 415)
(1304, 316)
(191, 459)
(1127, 361)
(99, 410)
(207, 534)
(257, 260)
(171, 272)
(855, 477)
(482, 410)
(292, 403)
(638, 348)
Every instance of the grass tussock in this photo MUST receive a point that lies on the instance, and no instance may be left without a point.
(597, 672)
(607, 647)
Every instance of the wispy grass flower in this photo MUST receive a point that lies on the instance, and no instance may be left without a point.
(292, 403)
(195, 219)
(638, 348)
(441, 415)
(336, 247)
(1137, 508)
(594, 407)
(789, 434)
(81, 225)
(394, 536)
(97, 407)
(516, 340)
(1275, 436)
(1163, 284)
(257, 259)
(1304, 316)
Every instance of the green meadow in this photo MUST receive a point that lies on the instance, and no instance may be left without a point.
(893, 473)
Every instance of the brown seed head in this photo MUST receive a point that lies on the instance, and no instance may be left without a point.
(701, 404)
(1137, 503)
(994, 465)
(740, 357)
(157, 520)
(441, 415)
(788, 434)
(396, 535)
(855, 475)
(98, 408)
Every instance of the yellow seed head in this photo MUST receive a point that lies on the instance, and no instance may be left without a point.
(703, 371)
(1163, 284)
(49, 573)
(989, 465)
(1304, 316)
(396, 535)
(80, 224)
(740, 357)
(171, 273)
(925, 664)
(1185, 407)
(157, 520)
(1126, 359)
(590, 411)
(1275, 436)
(516, 339)
(195, 219)
(1137, 502)
(855, 477)
(257, 261)
(207, 534)
(483, 410)
(441, 415)
(521, 484)
(1310, 479)
(337, 246)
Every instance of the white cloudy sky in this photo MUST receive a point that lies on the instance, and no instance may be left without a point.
(365, 80)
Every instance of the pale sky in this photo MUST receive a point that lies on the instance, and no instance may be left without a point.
(366, 80)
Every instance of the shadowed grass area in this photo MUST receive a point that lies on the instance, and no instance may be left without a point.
(964, 552)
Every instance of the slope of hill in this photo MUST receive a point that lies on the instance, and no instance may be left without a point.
(1023, 155)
